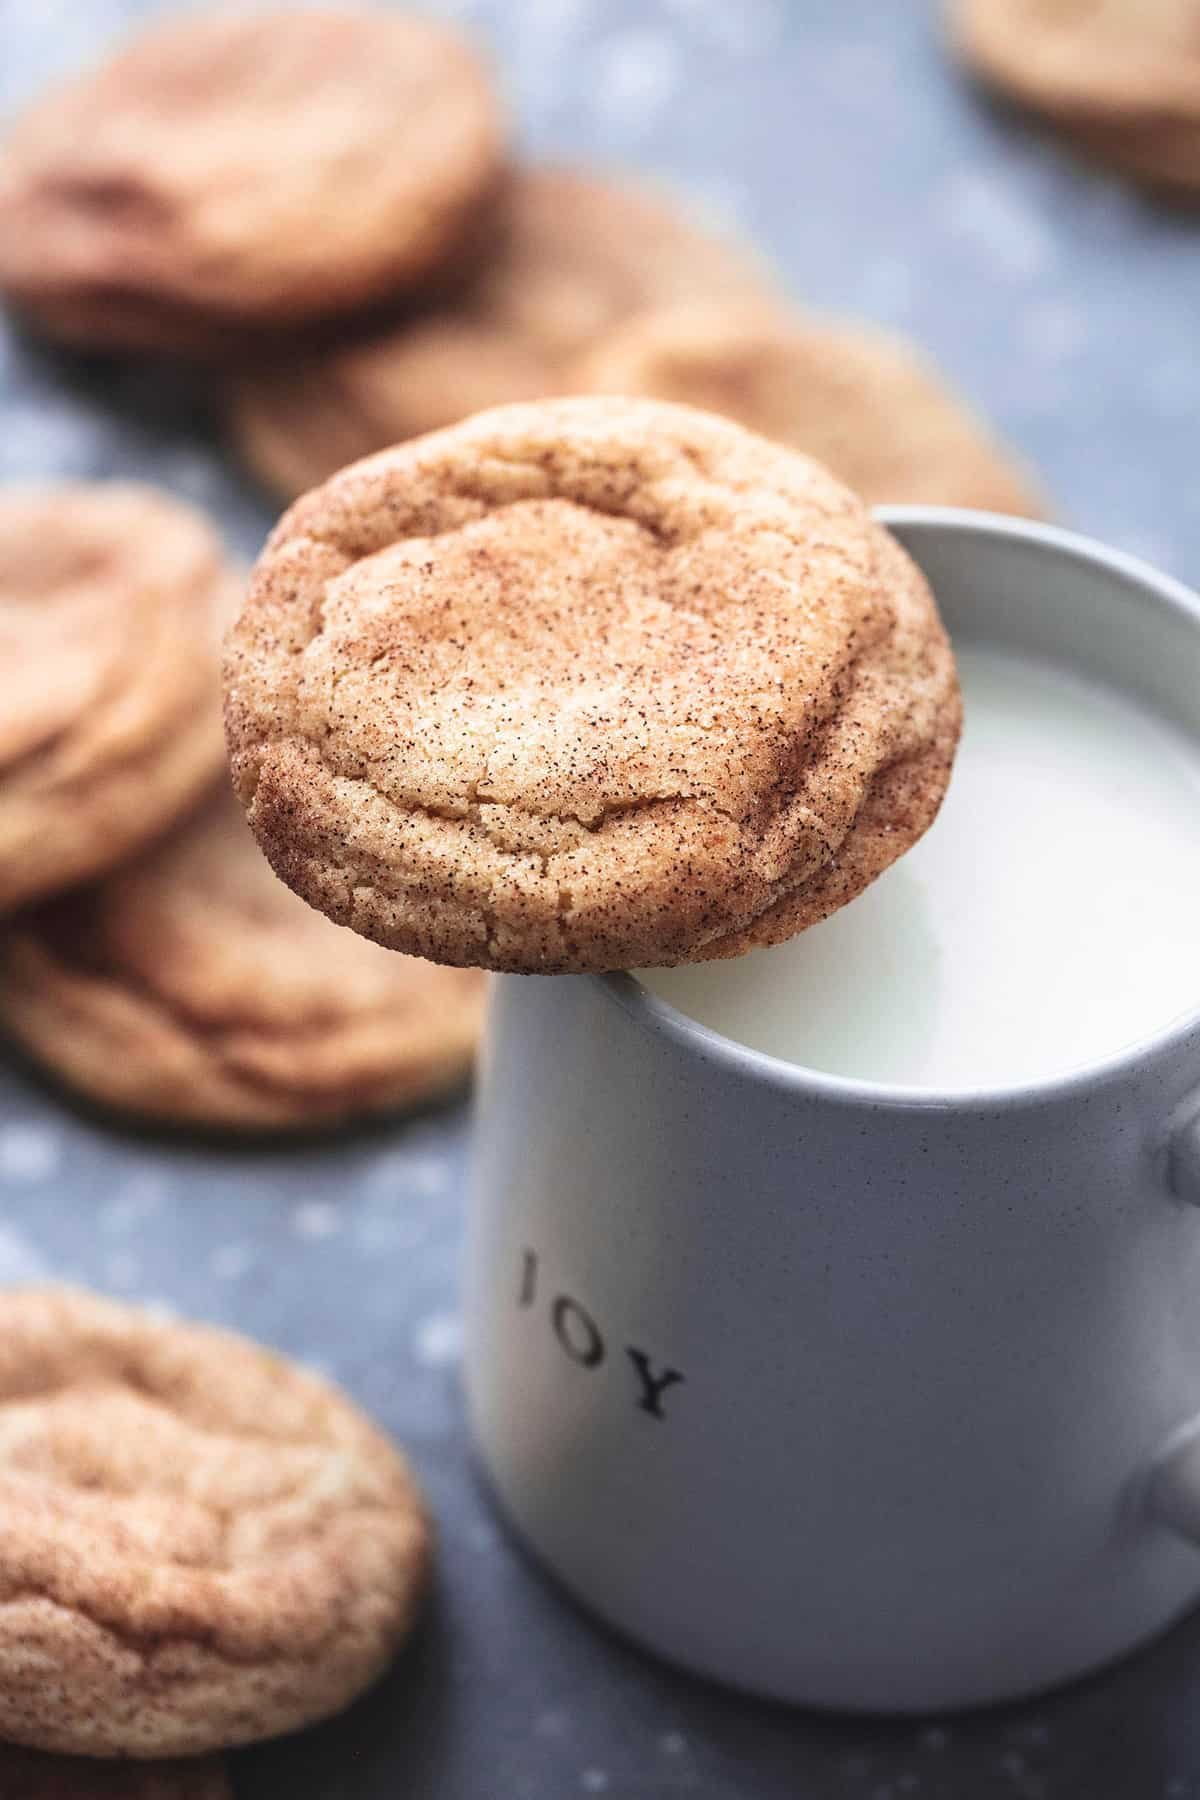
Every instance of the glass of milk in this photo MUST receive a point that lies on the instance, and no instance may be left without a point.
(834, 1312)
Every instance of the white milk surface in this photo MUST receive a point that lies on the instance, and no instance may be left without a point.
(1049, 918)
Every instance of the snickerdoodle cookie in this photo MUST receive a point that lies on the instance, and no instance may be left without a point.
(1122, 77)
(32, 1775)
(200, 1543)
(575, 255)
(112, 601)
(586, 684)
(192, 986)
(245, 169)
(862, 401)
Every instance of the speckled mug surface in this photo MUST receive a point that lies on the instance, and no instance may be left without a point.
(852, 1395)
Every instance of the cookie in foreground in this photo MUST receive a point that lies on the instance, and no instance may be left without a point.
(586, 684)
(191, 987)
(112, 601)
(205, 1543)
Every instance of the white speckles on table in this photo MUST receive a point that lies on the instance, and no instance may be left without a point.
(1065, 306)
(394, 1176)
(132, 1204)
(999, 224)
(634, 75)
(428, 1175)
(30, 1151)
(385, 1175)
(437, 1341)
(232, 1262)
(315, 1220)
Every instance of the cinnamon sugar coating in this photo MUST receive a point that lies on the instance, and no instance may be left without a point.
(588, 684)
(200, 1543)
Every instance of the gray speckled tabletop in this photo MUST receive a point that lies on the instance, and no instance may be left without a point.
(837, 136)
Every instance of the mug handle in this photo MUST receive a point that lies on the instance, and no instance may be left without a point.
(1173, 1491)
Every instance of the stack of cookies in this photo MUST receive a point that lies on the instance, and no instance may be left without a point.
(147, 954)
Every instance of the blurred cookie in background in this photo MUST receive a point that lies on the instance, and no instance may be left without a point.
(232, 171)
(1122, 77)
(862, 401)
(574, 255)
(33, 1775)
(193, 987)
(112, 601)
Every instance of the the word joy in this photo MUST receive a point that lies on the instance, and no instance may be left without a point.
(581, 1338)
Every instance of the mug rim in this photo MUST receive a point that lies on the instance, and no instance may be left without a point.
(659, 1017)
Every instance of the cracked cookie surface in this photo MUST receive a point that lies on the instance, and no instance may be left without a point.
(112, 601)
(32, 1775)
(1121, 77)
(233, 171)
(192, 986)
(587, 684)
(200, 1543)
(574, 255)
(862, 401)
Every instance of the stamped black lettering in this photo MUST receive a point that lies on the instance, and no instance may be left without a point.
(652, 1386)
(580, 1338)
(577, 1332)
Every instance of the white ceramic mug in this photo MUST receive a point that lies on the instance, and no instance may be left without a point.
(852, 1395)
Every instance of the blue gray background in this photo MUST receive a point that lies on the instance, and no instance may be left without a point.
(837, 136)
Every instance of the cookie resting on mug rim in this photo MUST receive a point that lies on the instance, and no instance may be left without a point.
(586, 684)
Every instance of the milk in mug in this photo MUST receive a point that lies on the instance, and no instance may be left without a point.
(1049, 918)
